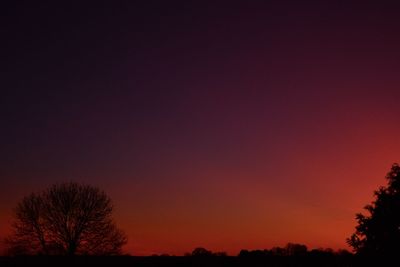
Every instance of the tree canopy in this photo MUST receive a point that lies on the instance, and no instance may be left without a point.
(378, 232)
(65, 219)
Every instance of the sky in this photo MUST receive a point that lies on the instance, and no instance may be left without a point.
(223, 125)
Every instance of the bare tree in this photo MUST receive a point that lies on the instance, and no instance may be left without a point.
(66, 219)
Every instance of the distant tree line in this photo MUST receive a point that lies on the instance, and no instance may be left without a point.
(291, 249)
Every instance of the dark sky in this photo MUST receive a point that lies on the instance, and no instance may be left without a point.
(224, 125)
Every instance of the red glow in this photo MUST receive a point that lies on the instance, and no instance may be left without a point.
(240, 127)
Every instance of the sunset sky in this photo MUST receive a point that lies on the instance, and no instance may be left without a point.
(221, 125)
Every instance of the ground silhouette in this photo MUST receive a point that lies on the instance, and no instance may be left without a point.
(251, 259)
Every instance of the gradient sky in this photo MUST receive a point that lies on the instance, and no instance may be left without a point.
(226, 126)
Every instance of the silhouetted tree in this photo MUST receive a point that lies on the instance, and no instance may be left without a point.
(244, 253)
(293, 249)
(343, 252)
(201, 252)
(278, 251)
(220, 254)
(378, 233)
(65, 219)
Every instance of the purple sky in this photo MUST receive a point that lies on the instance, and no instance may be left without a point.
(227, 126)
